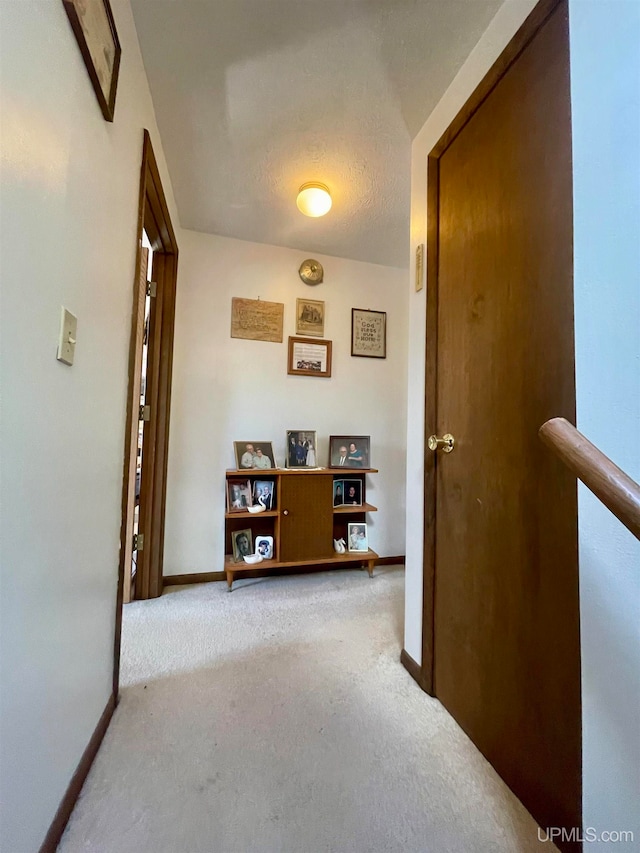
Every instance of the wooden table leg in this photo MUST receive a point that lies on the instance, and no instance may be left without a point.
(371, 565)
(229, 573)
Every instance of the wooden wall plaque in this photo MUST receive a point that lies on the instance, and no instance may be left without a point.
(256, 320)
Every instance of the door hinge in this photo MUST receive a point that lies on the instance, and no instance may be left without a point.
(152, 288)
(138, 542)
(145, 413)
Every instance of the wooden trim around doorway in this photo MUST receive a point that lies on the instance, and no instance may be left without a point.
(527, 32)
(154, 218)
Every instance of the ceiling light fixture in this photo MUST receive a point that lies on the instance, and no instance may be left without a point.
(314, 199)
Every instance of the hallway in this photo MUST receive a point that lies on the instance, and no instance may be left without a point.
(278, 718)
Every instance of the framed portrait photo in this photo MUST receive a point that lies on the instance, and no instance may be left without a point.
(242, 542)
(352, 492)
(264, 493)
(357, 538)
(309, 357)
(254, 455)
(349, 451)
(95, 31)
(310, 317)
(368, 333)
(302, 448)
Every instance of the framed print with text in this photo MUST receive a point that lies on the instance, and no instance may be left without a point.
(368, 333)
(309, 357)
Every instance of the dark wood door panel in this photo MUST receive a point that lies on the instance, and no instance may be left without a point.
(306, 521)
(506, 628)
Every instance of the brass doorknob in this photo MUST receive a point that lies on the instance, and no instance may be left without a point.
(446, 443)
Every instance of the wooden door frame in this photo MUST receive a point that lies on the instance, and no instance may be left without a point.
(527, 32)
(154, 218)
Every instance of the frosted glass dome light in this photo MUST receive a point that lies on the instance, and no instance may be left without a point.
(314, 199)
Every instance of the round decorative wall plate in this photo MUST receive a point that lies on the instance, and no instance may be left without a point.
(311, 271)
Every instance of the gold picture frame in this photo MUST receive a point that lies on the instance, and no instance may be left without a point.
(95, 31)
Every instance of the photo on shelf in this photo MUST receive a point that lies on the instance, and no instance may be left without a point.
(242, 544)
(238, 495)
(349, 451)
(257, 455)
(338, 492)
(357, 537)
(301, 448)
(352, 492)
(264, 547)
(264, 492)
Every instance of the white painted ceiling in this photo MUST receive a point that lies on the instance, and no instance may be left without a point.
(255, 97)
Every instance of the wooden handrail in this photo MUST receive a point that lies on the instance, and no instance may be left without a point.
(616, 490)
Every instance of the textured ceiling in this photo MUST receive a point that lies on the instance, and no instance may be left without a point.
(255, 97)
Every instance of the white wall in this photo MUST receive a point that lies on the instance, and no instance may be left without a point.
(605, 94)
(69, 203)
(226, 389)
(503, 27)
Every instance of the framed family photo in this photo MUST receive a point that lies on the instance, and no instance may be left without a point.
(310, 317)
(264, 493)
(95, 31)
(357, 537)
(301, 448)
(255, 455)
(368, 333)
(238, 495)
(349, 451)
(309, 357)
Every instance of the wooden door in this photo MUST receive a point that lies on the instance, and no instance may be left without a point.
(306, 518)
(505, 634)
(139, 298)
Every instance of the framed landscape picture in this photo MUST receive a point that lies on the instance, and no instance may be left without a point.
(95, 31)
(368, 333)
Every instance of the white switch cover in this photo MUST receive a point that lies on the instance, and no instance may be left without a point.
(67, 340)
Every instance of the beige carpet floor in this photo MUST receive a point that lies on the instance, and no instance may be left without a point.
(278, 719)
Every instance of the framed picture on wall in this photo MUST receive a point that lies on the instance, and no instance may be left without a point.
(310, 317)
(368, 333)
(95, 31)
(309, 357)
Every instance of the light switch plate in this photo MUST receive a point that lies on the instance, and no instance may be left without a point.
(67, 340)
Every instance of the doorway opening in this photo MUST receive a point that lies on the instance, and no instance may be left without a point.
(149, 398)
